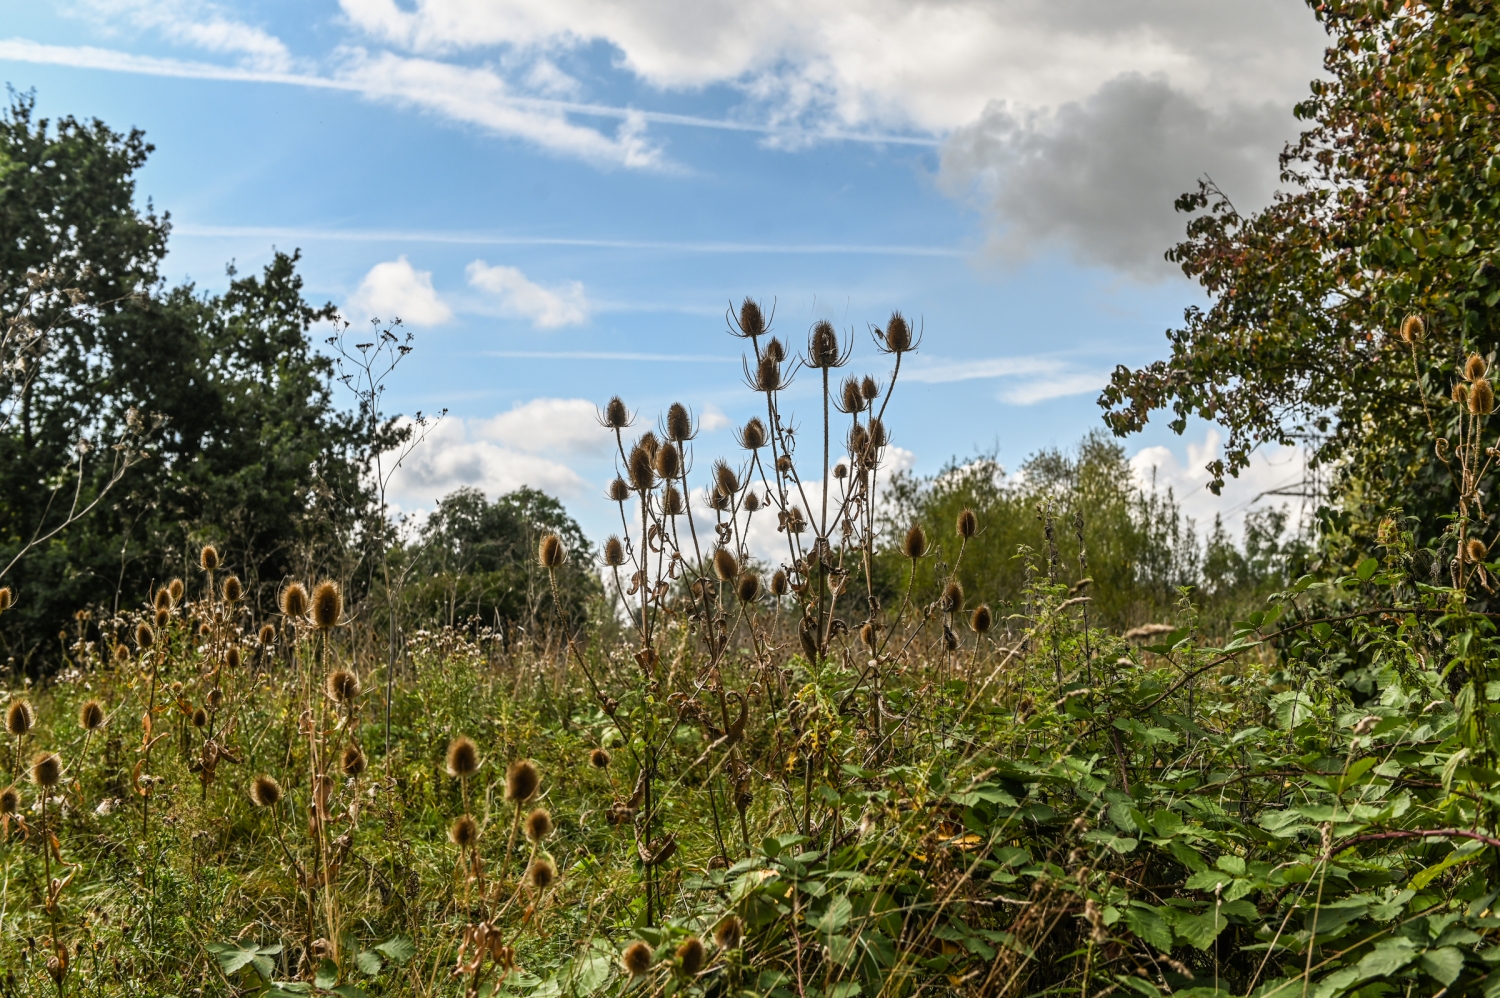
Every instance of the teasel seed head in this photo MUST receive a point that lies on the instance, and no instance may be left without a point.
(897, 334)
(859, 442)
(1481, 398)
(668, 461)
(599, 758)
(539, 824)
(717, 499)
(1476, 550)
(10, 800)
(868, 635)
(163, 599)
(725, 567)
(542, 873)
(751, 502)
(232, 657)
(869, 388)
(841, 471)
(616, 416)
(784, 464)
(780, 584)
(1412, 329)
(208, 558)
(46, 769)
(981, 620)
(752, 319)
(728, 933)
(968, 524)
(7, 598)
(950, 640)
(1461, 393)
(767, 375)
(641, 475)
(200, 717)
(327, 605)
(953, 596)
(915, 543)
(353, 761)
(747, 589)
(145, 637)
(464, 831)
(671, 502)
(690, 956)
(614, 552)
(522, 781)
(175, 589)
(215, 698)
(293, 600)
(163, 617)
(753, 435)
(878, 438)
(342, 686)
(265, 791)
(679, 423)
(20, 718)
(267, 634)
(726, 478)
(775, 351)
(619, 490)
(233, 590)
(463, 757)
(637, 958)
(91, 715)
(550, 552)
(122, 653)
(823, 346)
(851, 399)
(649, 443)
(1475, 367)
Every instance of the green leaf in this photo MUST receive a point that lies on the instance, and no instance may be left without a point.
(1200, 931)
(1387, 958)
(398, 948)
(1444, 964)
(327, 975)
(1367, 569)
(348, 991)
(1150, 927)
(368, 962)
(835, 917)
(588, 972)
(1208, 880)
(844, 989)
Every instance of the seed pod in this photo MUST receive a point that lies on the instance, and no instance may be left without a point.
(747, 590)
(232, 589)
(616, 416)
(641, 476)
(464, 831)
(599, 758)
(1475, 367)
(671, 502)
(784, 464)
(869, 388)
(614, 552)
(542, 873)
(175, 589)
(690, 956)
(522, 781)
(122, 654)
(728, 933)
(267, 635)
(463, 757)
(968, 524)
(163, 599)
(637, 958)
(897, 334)
(293, 601)
(751, 502)
(265, 791)
(342, 686)
(717, 499)
(823, 346)
(780, 584)
(353, 762)
(163, 617)
(753, 436)
(550, 552)
(767, 375)
(1476, 550)
(618, 491)
(668, 461)
(46, 769)
(539, 824)
(752, 320)
(20, 718)
(144, 636)
(851, 399)
(1461, 393)
(953, 597)
(208, 558)
(7, 598)
(327, 605)
(91, 715)
(775, 351)
(725, 478)
(200, 717)
(725, 567)
(1481, 398)
(981, 620)
(915, 543)
(679, 423)
(1412, 329)
(10, 800)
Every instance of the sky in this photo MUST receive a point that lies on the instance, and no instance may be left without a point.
(561, 198)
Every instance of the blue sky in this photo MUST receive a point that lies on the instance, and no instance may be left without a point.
(561, 197)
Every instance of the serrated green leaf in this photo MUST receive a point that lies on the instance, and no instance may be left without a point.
(398, 948)
(1444, 964)
(1200, 931)
(348, 991)
(368, 962)
(327, 975)
(1150, 927)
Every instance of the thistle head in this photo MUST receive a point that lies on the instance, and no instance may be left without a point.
(175, 589)
(353, 761)
(1475, 367)
(163, 600)
(751, 502)
(953, 596)
(690, 956)
(1476, 550)
(869, 388)
(668, 461)
(636, 959)
(823, 351)
(232, 589)
(767, 374)
(1481, 397)
(642, 476)
(1412, 329)
(599, 758)
(542, 873)
(550, 552)
(463, 757)
(671, 502)
(780, 584)
(896, 337)
(267, 636)
(729, 932)
(10, 800)
(752, 321)
(774, 351)
(726, 478)
(614, 552)
(725, 566)
(200, 717)
(851, 399)
(747, 589)
(46, 769)
(293, 600)
(232, 657)
(619, 490)
(163, 617)
(967, 525)
(7, 598)
(878, 438)
(327, 605)
(145, 637)
(981, 620)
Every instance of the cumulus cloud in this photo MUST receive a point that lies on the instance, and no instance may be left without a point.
(396, 289)
(561, 427)
(1096, 178)
(519, 296)
(1278, 469)
(457, 453)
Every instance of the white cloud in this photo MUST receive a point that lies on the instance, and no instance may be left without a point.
(1279, 468)
(561, 427)
(201, 25)
(1039, 377)
(394, 290)
(547, 308)
(713, 419)
(454, 455)
(1053, 386)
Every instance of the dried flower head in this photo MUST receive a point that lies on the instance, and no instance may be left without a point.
(767, 376)
(91, 715)
(1475, 367)
(878, 438)
(1412, 329)
(599, 758)
(522, 781)
(550, 552)
(163, 599)
(232, 657)
(869, 388)
(642, 477)
(637, 958)
(751, 502)
(953, 596)
(342, 686)
(614, 552)
(981, 620)
(823, 346)
(725, 566)
(690, 956)
(650, 443)
(717, 499)
(145, 637)
(616, 416)
(780, 584)
(215, 698)
(726, 478)
(327, 605)
(464, 831)
(122, 653)
(1461, 393)
(10, 800)
(851, 399)
(672, 503)
(968, 524)
(542, 873)
(1481, 398)
(539, 824)
(897, 334)
(200, 717)
(784, 464)
(1476, 550)
(7, 598)
(293, 600)
(775, 351)
(668, 461)
(752, 320)
(914, 545)
(463, 757)
(747, 589)
(841, 471)
(163, 617)
(233, 590)
(265, 791)
(208, 558)
(679, 423)
(753, 435)
(353, 761)
(267, 634)
(175, 588)
(20, 718)
(728, 933)
(46, 769)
